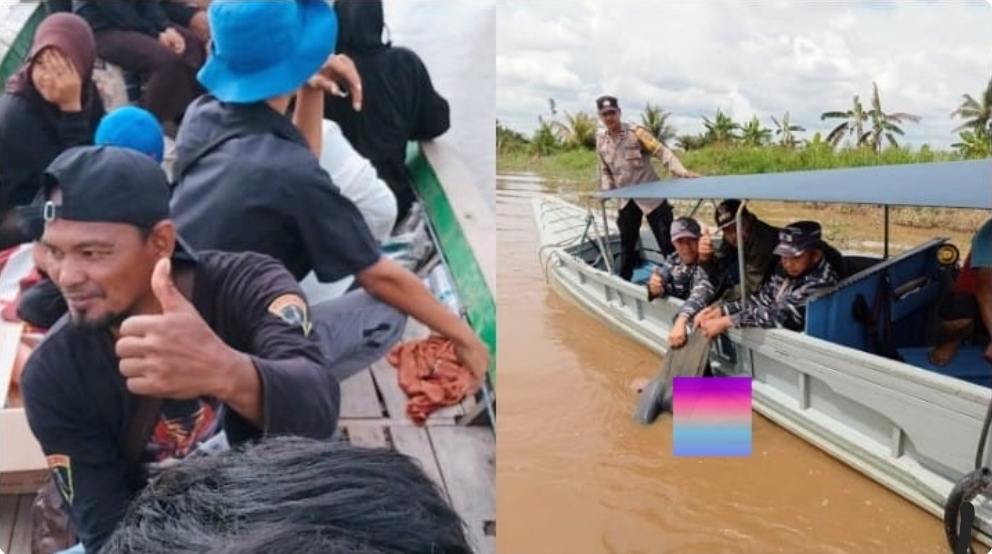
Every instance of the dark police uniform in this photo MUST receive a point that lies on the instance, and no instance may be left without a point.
(77, 402)
(781, 300)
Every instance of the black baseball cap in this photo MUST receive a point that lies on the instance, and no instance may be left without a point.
(795, 238)
(726, 213)
(607, 103)
(105, 184)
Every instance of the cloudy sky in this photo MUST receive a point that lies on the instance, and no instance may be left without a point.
(759, 57)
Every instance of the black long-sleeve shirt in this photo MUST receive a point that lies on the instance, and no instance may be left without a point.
(78, 405)
(142, 16)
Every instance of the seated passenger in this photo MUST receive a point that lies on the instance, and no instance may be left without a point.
(51, 104)
(804, 270)
(134, 128)
(967, 311)
(400, 102)
(211, 348)
(270, 178)
(138, 37)
(759, 239)
(293, 496)
(682, 278)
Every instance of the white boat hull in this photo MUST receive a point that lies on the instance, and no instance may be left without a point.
(911, 430)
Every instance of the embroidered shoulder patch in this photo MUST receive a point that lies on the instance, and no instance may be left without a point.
(61, 467)
(293, 310)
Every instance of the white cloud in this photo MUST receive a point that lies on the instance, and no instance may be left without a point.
(746, 58)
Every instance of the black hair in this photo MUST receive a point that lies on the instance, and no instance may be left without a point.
(294, 495)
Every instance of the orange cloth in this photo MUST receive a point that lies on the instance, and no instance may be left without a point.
(431, 375)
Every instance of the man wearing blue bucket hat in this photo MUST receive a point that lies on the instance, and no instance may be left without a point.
(246, 179)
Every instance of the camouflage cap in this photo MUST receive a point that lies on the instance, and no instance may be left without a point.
(796, 237)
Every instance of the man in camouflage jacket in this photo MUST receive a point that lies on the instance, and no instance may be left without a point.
(682, 277)
(804, 270)
(624, 152)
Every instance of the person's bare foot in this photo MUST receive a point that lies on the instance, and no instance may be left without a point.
(944, 352)
(953, 332)
(637, 385)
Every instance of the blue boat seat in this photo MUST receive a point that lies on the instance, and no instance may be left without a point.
(968, 365)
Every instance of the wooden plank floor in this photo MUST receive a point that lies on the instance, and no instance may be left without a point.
(461, 459)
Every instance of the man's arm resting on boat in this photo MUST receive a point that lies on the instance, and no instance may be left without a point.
(397, 286)
(86, 461)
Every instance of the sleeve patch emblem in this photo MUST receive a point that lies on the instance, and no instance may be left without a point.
(61, 468)
(293, 310)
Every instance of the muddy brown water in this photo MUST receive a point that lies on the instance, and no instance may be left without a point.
(576, 475)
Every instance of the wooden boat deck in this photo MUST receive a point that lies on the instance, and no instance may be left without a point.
(460, 458)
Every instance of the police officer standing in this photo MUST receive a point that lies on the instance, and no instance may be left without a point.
(625, 153)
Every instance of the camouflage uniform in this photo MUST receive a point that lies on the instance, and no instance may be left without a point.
(687, 282)
(781, 300)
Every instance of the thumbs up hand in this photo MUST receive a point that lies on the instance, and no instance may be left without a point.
(706, 245)
(656, 285)
(173, 354)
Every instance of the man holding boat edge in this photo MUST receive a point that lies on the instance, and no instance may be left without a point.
(804, 269)
(624, 152)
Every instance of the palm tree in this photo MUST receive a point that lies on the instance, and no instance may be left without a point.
(722, 129)
(856, 118)
(545, 141)
(785, 129)
(656, 121)
(977, 116)
(689, 142)
(885, 123)
(754, 134)
(578, 132)
(974, 144)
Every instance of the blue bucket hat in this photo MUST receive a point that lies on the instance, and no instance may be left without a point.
(134, 128)
(266, 48)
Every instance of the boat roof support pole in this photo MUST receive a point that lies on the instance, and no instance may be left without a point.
(885, 217)
(692, 213)
(740, 252)
(605, 239)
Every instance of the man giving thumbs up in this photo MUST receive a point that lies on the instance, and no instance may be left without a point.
(224, 340)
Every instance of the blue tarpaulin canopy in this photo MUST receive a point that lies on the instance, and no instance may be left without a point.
(964, 184)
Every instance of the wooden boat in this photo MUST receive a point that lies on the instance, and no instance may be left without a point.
(456, 447)
(908, 425)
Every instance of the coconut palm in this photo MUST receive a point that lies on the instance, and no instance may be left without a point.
(578, 132)
(855, 118)
(753, 134)
(977, 115)
(545, 140)
(784, 130)
(656, 121)
(884, 124)
(974, 144)
(722, 129)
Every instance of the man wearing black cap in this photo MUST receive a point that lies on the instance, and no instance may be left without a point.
(804, 271)
(218, 344)
(625, 153)
(682, 277)
(759, 238)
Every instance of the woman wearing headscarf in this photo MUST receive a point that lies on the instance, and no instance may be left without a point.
(51, 104)
(399, 101)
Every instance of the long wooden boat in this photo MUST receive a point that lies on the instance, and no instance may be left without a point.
(456, 446)
(908, 425)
